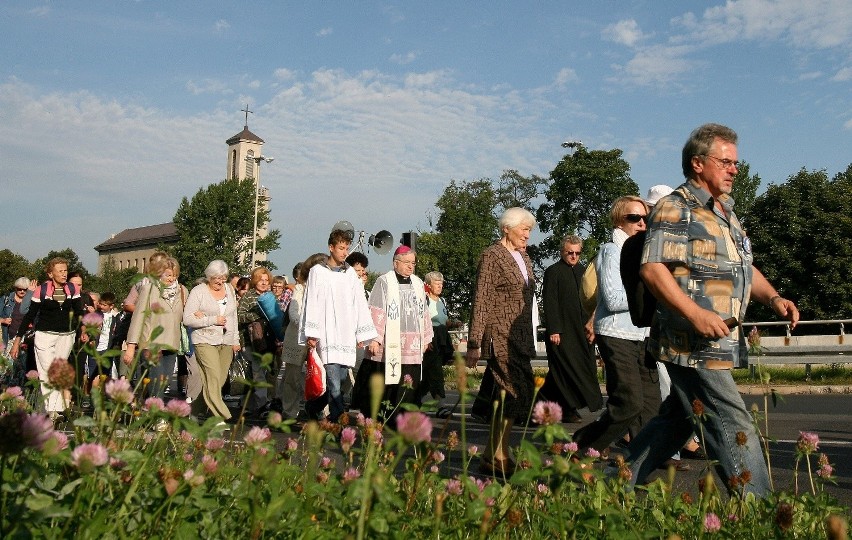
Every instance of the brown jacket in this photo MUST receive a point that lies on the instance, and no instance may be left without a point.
(501, 319)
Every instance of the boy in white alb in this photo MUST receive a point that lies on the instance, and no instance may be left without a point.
(335, 318)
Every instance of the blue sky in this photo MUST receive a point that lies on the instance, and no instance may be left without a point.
(110, 112)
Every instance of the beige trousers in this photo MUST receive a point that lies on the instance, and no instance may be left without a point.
(214, 361)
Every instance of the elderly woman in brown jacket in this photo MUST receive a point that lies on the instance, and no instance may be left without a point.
(502, 325)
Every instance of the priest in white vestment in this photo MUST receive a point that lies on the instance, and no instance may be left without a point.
(401, 317)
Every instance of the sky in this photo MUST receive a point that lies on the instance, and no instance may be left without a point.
(114, 111)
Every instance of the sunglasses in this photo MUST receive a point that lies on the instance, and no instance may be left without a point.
(636, 218)
(570, 252)
(19, 289)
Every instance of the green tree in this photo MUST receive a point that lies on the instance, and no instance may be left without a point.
(802, 236)
(74, 265)
(114, 280)
(513, 189)
(466, 225)
(579, 197)
(13, 266)
(217, 224)
(744, 192)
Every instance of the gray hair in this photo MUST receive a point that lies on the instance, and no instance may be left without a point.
(216, 268)
(700, 141)
(433, 276)
(399, 256)
(572, 239)
(22, 283)
(514, 217)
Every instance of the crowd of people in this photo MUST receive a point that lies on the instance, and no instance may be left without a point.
(690, 252)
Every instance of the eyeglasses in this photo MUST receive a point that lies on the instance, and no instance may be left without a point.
(636, 218)
(570, 252)
(725, 163)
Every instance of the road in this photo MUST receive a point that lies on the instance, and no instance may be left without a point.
(830, 416)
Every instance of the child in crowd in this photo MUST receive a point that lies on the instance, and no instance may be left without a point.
(106, 339)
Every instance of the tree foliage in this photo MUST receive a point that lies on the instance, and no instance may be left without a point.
(217, 224)
(13, 266)
(513, 189)
(466, 225)
(802, 236)
(744, 192)
(581, 191)
(114, 280)
(74, 265)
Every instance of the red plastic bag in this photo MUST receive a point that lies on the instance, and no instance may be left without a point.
(314, 377)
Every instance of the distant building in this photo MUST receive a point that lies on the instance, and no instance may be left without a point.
(131, 248)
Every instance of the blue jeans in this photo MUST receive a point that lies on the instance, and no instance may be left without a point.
(725, 414)
(161, 374)
(335, 374)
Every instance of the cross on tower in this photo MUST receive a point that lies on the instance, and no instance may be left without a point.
(247, 111)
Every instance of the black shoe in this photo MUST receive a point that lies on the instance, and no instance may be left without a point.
(277, 406)
(698, 454)
(263, 411)
(443, 412)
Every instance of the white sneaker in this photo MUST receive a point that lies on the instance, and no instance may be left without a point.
(161, 425)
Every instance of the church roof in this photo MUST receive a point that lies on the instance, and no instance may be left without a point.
(244, 135)
(141, 236)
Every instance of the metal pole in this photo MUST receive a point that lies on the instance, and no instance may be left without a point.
(256, 198)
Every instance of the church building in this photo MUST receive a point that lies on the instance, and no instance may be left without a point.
(131, 248)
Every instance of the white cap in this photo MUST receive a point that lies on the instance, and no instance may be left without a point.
(656, 193)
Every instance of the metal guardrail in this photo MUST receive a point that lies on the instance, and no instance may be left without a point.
(786, 349)
(801, 349)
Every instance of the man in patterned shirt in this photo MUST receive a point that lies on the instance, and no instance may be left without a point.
(698, 263)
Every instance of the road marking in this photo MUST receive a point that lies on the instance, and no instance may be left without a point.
(822, 442)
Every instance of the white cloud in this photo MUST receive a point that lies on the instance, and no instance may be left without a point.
(403, 59)
(823, 24)
(40, 11)
(842, 75)
(325, 31)
(362, 137)
(848, 124)
(221, 25)
(207, 86)
(565, 76)
(626, 32)
(810, 76)
(658, 65)
(819, 24)
(284, 74)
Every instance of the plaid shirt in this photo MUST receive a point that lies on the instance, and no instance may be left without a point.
(710, 258)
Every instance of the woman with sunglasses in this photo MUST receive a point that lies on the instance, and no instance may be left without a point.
(632, 388)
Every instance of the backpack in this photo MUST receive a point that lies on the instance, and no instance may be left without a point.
(641, 302)
(589, 287)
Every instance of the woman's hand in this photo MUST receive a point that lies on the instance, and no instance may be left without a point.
(16, 347)
(471, 358)
(127, 356)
